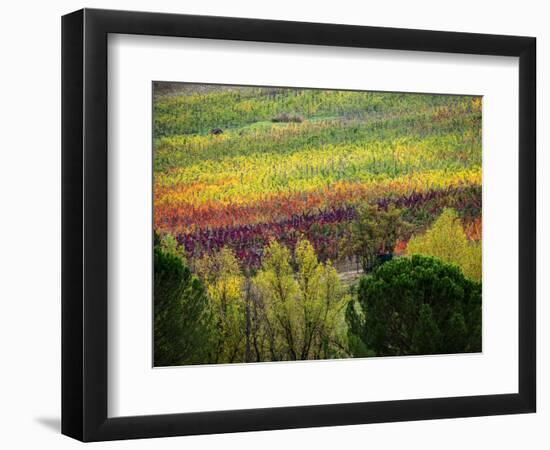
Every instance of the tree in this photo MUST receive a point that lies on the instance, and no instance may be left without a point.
(446, 240)
(303, 311)
(331, 341)
(279, 291)
(181, 317)
(414, 306)
(224, 284)
(169, 244)
(375, 231)
(310, 308)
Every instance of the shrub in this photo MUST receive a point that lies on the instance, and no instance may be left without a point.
(284, 117)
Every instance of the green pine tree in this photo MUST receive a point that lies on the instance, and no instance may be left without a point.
(417, 305)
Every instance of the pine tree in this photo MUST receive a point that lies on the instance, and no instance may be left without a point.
(417, 305)
(181, 318)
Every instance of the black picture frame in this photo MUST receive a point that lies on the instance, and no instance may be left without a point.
(84, 224)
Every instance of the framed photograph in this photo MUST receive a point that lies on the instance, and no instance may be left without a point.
(273, 225)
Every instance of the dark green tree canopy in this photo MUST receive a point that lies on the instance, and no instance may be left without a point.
(417, 305)
(181, 312)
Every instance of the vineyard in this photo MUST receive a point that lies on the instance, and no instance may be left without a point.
(243, 175)
(260, 180)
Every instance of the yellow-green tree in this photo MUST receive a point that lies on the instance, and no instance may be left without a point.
(304, 311)
(446, 240)
(224, 283)
(322, 303)
(331, 340)
(311, 308)
(279, 292)
(168, 244)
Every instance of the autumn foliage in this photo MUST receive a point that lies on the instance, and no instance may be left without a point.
(447, 240)
(269, 229)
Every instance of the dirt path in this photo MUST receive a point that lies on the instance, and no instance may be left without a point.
(350, 276)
